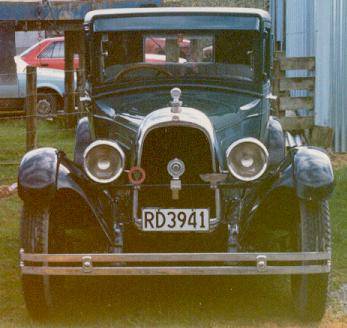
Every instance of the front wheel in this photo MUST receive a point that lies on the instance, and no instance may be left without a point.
(313, 234)
(37, 236)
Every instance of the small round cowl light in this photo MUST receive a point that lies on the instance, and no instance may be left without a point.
(247, 159)
(104, 161)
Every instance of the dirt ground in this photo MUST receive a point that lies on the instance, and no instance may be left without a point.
(338, 160)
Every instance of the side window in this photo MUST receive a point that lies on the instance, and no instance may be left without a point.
(58, 51)
(47, 53)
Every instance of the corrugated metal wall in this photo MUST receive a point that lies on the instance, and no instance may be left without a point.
(300, 40)
(300, 28)
(331, 57)
(319, 28)
(338, 72)
(323, 24)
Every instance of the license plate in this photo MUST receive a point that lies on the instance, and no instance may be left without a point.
(169, 219)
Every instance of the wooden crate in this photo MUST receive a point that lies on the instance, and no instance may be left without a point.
(283, 85)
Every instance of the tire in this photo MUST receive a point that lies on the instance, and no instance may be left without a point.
(47, 104)
(310, 291)
(39, 236)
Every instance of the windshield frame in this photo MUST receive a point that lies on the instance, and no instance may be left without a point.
(255, 84)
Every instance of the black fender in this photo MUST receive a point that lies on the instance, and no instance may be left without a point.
(313, 173)
(305, 174)
(308, 171)
(37, 175)
(41, 174)
(275, 143)
(44, 172)
(82, 140)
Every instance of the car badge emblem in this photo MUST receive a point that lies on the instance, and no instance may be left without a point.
(176, 103)
(176, 168)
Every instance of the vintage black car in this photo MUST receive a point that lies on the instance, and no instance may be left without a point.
(179, 167)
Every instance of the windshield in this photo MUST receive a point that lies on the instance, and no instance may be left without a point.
(143, 56)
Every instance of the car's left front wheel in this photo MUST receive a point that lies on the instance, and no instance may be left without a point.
(310, 291)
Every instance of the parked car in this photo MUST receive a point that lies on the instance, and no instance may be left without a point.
(50, 87)
(50, 52)
(179, 168)
(48, 56)
(47, 53)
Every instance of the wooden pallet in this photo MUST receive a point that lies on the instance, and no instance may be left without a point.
(10, 107)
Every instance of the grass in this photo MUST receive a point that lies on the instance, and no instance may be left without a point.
(12, 143)
(152, 302)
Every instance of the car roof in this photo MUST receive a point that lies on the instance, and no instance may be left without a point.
(90, 16)
(41, 42)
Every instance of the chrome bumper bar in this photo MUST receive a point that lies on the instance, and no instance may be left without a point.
(128, 264)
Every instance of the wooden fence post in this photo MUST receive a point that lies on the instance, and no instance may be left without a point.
(81, 72)
(30, 105)
(69, 103)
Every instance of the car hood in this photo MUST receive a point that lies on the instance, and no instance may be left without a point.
(224, 116)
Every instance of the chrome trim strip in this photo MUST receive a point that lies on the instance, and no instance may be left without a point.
(188, 117)
(250, 105)
(175, 257)
(174, 271)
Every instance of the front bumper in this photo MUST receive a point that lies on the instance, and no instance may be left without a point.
(141, 264)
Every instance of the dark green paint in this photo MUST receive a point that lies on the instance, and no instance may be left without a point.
(125, 114)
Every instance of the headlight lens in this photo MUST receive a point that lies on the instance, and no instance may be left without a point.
(247, 159)
(104, 161)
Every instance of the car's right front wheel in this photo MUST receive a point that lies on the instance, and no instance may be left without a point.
(39, 234)
(313, 234)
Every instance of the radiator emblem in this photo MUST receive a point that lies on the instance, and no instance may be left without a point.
(176, 168)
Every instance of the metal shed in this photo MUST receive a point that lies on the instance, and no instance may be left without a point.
(319, 28)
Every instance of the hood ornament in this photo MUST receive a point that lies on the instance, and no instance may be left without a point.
(176, 103)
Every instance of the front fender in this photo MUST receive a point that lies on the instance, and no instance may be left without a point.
(42, 174)
(313, 173)
(305, 174)
(308, 172)
(37, 175)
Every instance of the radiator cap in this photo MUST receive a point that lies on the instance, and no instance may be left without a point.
(176, 103)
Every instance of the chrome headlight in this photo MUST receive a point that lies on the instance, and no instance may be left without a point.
(247, 159)
(104, 161)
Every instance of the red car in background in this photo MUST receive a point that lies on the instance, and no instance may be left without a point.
(50, 52)
(47, 53)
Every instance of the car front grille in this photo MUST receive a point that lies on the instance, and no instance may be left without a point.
(192, 147)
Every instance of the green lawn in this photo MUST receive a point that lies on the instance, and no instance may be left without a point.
(12, 143)
(151, 302)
